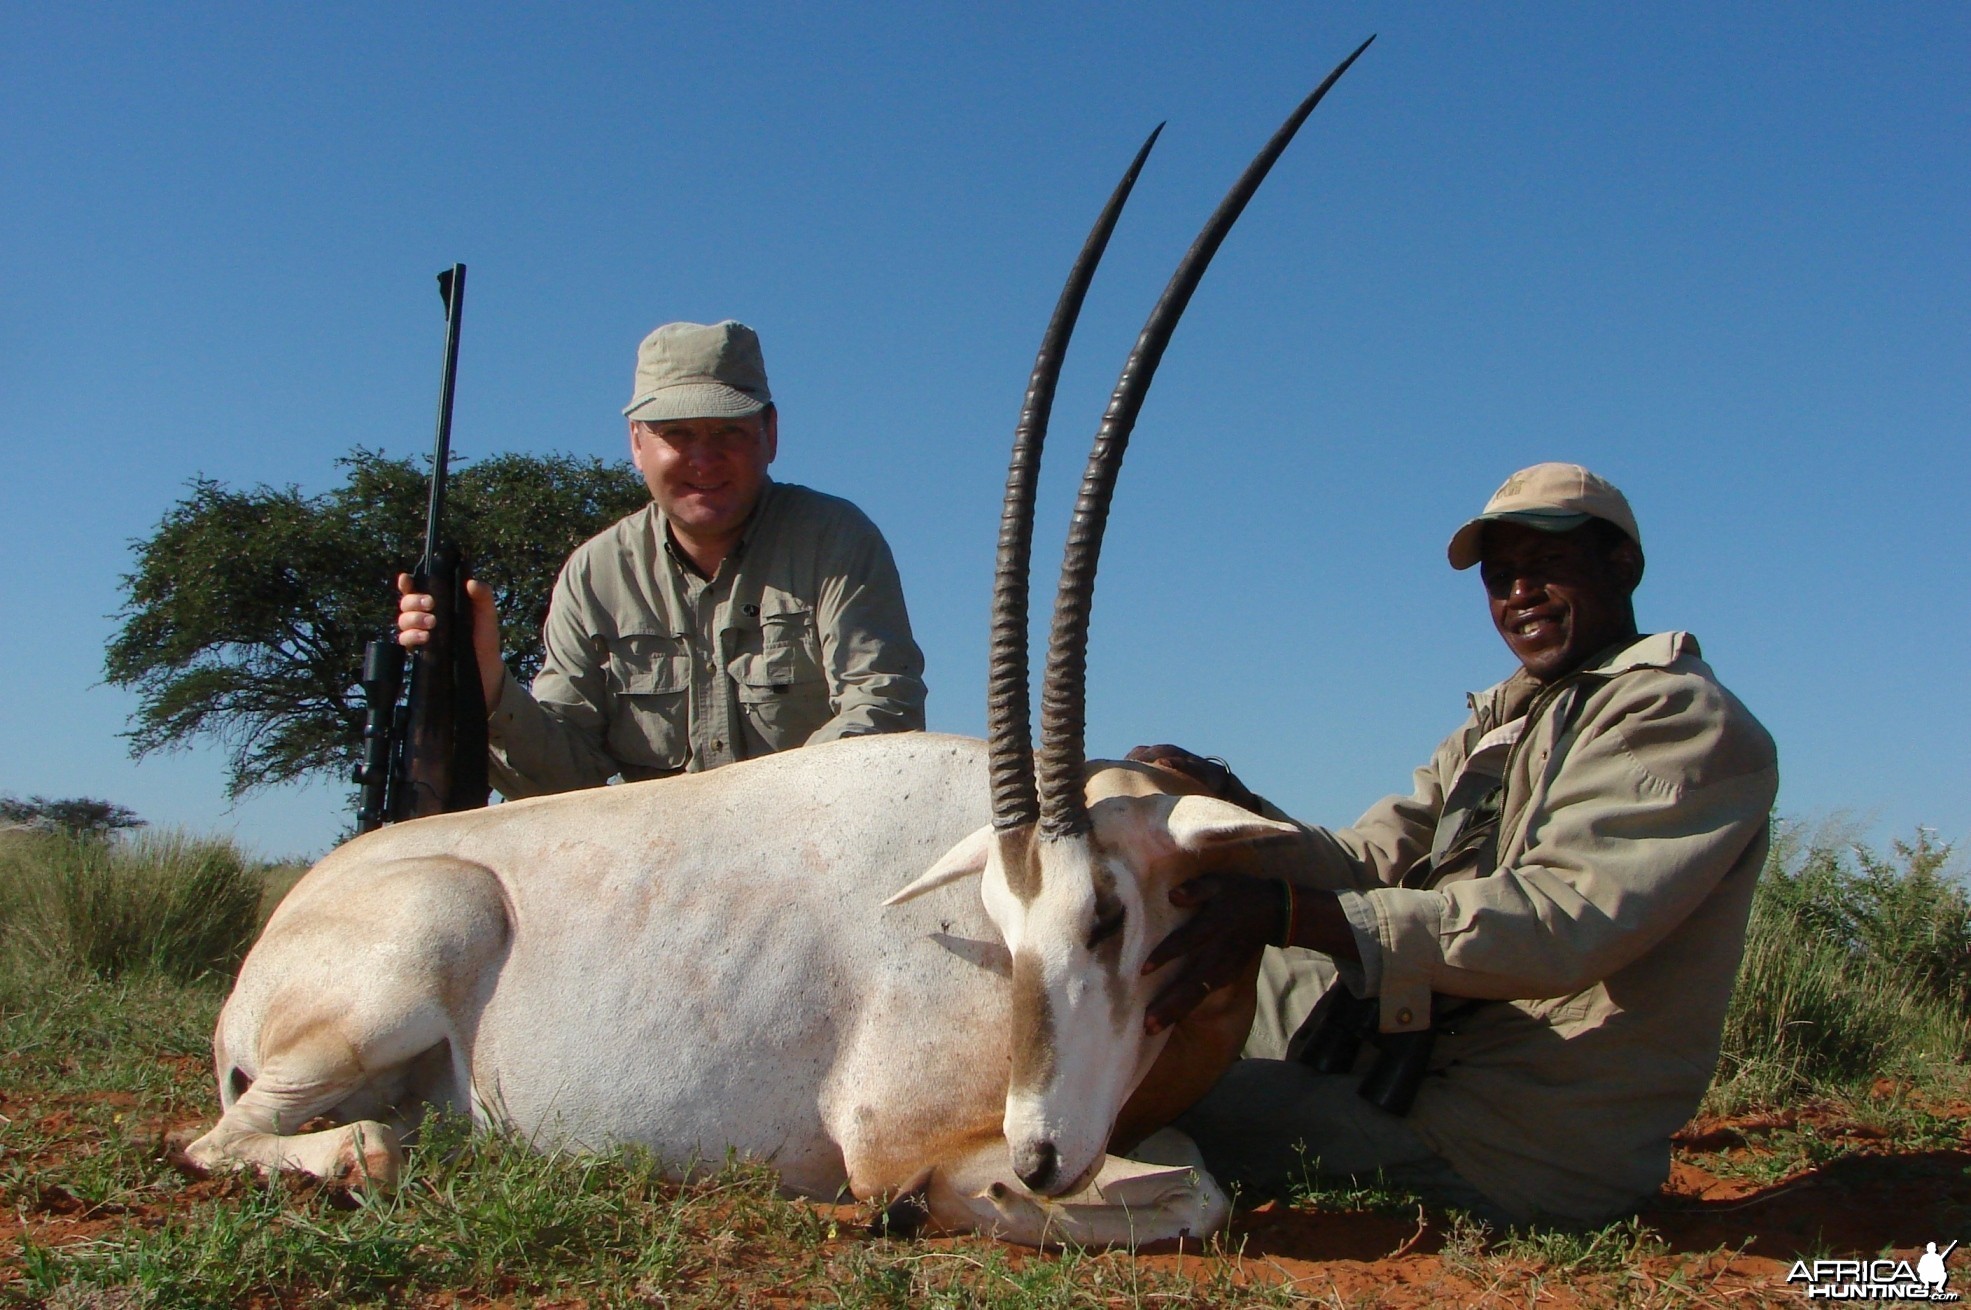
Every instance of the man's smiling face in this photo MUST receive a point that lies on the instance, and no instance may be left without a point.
(705, 473)
(1559, 597)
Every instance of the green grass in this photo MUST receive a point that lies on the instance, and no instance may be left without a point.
(1337, 1194)
(106, 1066)
(1473, 1249)
(484, 1212)
(1857, 967)
(1784, 1143)
(481, 1212)
(157, 902)
(112, 970)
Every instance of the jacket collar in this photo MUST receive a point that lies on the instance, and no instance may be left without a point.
(1505, 701)
(1656, 650)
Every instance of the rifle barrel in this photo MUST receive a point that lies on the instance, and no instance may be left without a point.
(451, 285)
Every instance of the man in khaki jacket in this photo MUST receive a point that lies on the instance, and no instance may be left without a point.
(1566, 888)
(733, 617)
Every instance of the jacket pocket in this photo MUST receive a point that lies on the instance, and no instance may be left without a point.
(649, 716)
(780, 687)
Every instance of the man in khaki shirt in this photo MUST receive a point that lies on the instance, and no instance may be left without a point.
(1566, 890)
(731, 618)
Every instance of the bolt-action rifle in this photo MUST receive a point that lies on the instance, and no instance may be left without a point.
(427, 754)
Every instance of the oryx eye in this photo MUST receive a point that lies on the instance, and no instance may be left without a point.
(1105, 927)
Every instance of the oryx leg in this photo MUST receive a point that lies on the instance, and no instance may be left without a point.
(322, 1034)
(299, 1082)
(1162, 1192)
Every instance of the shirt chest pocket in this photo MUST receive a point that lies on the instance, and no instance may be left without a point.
(649, 676)
(778, 680)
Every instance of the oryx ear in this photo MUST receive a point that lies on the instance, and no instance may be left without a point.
(1204, 823)
(965, 860)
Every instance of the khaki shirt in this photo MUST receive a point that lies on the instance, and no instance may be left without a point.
(652, 669)
(1633, 825)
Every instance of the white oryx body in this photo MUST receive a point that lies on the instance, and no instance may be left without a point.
(705, 963)
(725, 960)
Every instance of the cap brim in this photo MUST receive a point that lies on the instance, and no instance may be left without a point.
(1468, 542)
(693, 400)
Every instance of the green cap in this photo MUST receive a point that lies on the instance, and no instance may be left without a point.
(691, 370)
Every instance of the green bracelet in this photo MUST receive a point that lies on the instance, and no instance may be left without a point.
(1287, 927)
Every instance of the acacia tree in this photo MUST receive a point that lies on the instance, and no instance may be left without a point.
(79, 816)
(245, 618)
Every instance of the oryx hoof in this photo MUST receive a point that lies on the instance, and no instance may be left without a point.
(905, 1218)
(208, 1156)
(371, 1159)
(1012, 1206)
(908, 1213)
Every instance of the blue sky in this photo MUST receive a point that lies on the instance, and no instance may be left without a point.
(1716, 252)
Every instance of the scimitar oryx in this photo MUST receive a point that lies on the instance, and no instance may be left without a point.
(724, 961)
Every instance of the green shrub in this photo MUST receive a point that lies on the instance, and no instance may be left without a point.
(1856, 966)
(168, 902)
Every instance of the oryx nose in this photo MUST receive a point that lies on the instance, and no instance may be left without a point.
(1037, 1164)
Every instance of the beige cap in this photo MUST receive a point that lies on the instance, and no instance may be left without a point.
(1551, 497)
(690, 370)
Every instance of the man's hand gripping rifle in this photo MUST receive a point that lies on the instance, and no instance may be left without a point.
(428, 754)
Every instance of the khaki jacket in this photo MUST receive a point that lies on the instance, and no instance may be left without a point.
(653, 670)
(1633, 825)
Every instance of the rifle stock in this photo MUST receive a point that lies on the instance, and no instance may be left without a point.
(445, 709)
(428, 755)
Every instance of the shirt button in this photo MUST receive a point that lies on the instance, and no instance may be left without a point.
(1402, 1015)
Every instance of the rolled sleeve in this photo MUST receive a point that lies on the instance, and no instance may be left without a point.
(875, 671)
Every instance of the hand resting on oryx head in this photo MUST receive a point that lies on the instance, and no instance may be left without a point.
(906, 966)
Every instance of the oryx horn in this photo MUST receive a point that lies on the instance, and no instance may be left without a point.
(1063, 697)
(1015, 801)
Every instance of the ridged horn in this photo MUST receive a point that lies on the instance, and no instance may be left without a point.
(1063, 698)
(1015, 801)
